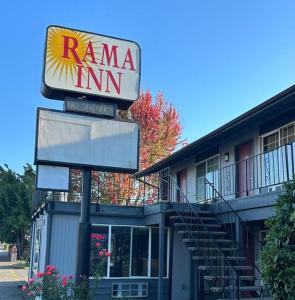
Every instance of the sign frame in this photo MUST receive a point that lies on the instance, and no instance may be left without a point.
(83, 111)
(83, 166)
(52, 189)
(60, 94)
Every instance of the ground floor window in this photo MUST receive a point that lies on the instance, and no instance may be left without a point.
(36, 247)
(134, 250)
(99, 234)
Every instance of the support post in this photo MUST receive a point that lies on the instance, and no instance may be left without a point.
(161, 257)
(84, 230)
(239, 233)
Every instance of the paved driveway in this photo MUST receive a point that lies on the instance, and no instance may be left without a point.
(11, 278)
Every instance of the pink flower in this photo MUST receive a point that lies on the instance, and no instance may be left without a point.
(49, 273)
(100, 253)
(24, 288)
(50, 268)
(40, 274)
(70, 277)
(31, 280)
(64, 281)
(108, 253)
(98, 244)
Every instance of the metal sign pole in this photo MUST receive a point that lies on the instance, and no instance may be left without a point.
(84, 230)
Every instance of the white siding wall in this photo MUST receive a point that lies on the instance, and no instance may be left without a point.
(229, 146)
(191, 177)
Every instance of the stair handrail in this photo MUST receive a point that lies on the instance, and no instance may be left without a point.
(236, 215)
(224, 257)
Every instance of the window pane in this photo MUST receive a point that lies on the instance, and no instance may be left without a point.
(271, 142)
(37, 239)
(287, 134)
(140, 242)
(99, 242)
(155, 252)
(120, 251)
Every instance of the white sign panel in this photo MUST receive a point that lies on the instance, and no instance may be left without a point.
(90, 64)
(78, 140)
(53, 178)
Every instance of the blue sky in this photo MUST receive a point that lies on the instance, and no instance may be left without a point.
(212, 59)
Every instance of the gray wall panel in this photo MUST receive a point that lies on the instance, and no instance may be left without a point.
(180, 270)
(64, 243)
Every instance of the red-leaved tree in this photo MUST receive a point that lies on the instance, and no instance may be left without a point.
(160, 133)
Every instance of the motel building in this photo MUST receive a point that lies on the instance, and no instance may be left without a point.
(198, 228)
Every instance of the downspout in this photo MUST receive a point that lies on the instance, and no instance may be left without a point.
(161, 256)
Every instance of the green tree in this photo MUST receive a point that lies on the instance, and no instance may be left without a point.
(278, 255)
(15, 204)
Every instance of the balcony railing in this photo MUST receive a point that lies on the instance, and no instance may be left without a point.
(107, 188)
(257, 174)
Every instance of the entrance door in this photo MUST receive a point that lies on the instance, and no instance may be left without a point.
(244, 169)
(181, 183)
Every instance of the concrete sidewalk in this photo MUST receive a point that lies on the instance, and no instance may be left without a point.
(11, 278)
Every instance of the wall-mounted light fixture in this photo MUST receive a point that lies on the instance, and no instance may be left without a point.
(226, 156)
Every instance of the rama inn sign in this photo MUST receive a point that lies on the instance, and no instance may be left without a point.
(91, 65)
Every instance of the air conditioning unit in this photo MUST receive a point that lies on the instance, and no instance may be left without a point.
(130, 290)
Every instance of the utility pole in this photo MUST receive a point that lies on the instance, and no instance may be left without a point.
(84, 230)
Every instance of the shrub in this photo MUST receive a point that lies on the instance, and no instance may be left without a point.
(278, 255)
(50, 285)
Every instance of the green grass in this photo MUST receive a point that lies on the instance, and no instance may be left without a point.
(21, 264)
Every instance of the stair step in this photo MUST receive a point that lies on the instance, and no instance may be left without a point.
(213, 248)
(207, 240)
(237, 268)
(219, 257)
(195, 225)
(242, 277)
(202, 232)
(249, 288)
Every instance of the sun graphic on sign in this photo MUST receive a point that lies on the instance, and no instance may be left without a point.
(55, 60)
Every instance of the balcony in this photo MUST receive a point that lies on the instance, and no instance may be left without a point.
(258, 174)
(107, 188)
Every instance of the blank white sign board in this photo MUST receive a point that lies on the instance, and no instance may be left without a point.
(79, 140)
(53, 178)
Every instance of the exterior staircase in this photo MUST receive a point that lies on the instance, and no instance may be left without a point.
(224, 271)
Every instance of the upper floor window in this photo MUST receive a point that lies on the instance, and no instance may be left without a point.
(207, 169)
(279, 137)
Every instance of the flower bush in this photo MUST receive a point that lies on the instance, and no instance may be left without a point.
(49, 285)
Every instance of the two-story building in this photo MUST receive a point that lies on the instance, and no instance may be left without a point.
(198, 228)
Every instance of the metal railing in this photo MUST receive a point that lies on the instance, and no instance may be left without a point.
(215, 264)
(261, 173)
(240, 232)
(107, 188)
